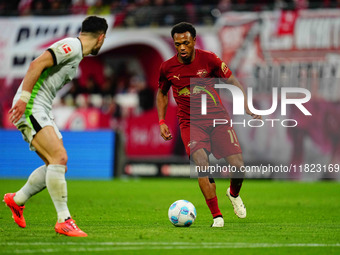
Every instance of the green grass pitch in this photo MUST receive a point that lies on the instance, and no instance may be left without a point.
(129, 216)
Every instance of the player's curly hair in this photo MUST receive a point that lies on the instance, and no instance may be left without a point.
(94, 24)
(182, 28)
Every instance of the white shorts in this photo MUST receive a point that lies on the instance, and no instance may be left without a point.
(38, 121)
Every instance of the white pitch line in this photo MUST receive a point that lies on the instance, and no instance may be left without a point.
(115, 246)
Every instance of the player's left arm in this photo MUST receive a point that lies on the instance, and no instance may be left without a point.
(162, 104)
(234, 81)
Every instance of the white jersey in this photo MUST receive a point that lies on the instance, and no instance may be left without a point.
(67, 54)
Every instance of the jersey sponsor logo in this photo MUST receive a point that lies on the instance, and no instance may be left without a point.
(196, 90)
(224, 68)
(184, 92)
(177, 76)
(67, 49)
(202, 73)
(200, 89)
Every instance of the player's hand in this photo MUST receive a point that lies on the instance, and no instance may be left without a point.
(17, 111)
(165, 133)
(255, 116)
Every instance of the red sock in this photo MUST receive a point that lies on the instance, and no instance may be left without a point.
(235, 186)
(213, 206)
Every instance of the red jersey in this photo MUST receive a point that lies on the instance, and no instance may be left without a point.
(188, 98)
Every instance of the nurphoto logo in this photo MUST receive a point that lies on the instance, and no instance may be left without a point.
(238, 105)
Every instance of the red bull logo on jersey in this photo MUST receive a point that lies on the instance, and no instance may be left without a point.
(196, 90)
(184, 92)
(200, 89)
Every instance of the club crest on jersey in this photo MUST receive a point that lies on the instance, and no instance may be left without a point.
(66, 48)
(202, 73)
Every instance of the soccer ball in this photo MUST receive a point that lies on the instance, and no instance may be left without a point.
(182, 213)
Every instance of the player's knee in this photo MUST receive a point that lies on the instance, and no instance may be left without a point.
(236, 161)
(238, 164)
(60, 157)
(200, 158)
(63, 158)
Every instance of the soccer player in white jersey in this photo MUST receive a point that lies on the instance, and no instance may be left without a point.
(31, 114)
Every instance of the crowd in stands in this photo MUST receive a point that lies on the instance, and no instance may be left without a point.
(153, 12)
(118, 92)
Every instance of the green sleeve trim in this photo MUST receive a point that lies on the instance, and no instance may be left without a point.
(36, 88)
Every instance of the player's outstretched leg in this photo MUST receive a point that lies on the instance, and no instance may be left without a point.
(239, 208)
(17, 211)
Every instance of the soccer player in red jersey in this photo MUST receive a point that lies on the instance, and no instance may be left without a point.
(200, 138)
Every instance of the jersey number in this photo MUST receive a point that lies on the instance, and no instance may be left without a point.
(233, 137)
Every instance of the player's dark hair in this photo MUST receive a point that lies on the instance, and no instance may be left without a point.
(182, 28)
(94, 24)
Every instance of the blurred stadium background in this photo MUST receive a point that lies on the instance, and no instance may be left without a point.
(108, 115)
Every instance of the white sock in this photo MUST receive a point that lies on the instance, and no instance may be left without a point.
(35, 183)
(56, 186)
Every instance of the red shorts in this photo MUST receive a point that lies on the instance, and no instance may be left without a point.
(221, 140)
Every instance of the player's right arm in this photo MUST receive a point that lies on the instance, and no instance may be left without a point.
(162, 104)
(35, 69)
